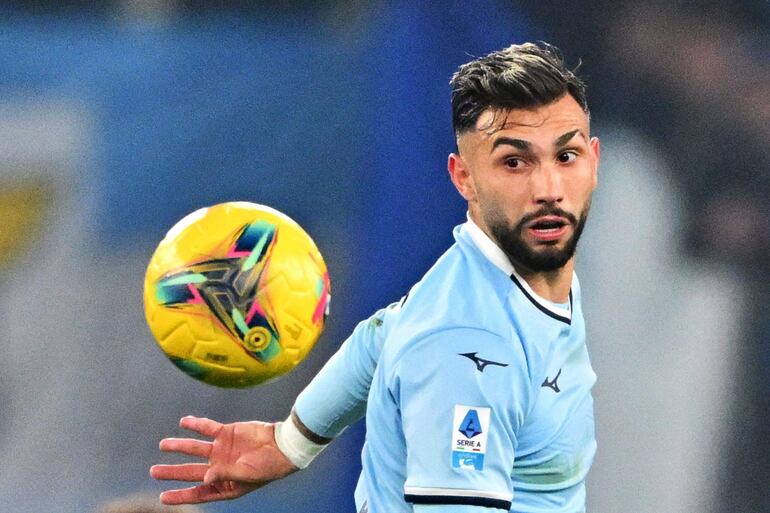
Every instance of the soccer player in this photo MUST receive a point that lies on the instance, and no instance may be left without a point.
(477, 385)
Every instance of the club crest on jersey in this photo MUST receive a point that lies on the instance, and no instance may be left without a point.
(469, 437)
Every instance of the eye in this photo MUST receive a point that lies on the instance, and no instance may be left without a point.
(514, 162)
(566, 157)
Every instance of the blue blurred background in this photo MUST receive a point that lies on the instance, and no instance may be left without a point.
(116, 120)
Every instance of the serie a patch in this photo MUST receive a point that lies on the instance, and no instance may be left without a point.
(470, 428)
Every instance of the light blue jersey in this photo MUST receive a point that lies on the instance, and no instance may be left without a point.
(480, 393)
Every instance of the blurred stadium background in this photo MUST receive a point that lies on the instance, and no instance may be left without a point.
(117, 119)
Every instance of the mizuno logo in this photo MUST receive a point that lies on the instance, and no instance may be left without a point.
(481, 363)
(553, 385)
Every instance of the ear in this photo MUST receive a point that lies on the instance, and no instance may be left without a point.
(461, 177)
(595, 146)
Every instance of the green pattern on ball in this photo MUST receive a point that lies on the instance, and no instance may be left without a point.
(189, 367)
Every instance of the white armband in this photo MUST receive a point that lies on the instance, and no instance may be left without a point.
(294, 445)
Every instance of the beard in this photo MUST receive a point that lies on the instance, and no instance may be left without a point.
(546, 258)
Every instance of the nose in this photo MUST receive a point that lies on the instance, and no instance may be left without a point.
(547, 185)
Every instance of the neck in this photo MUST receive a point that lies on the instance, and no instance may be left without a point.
(554, 285)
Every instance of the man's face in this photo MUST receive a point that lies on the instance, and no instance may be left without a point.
(528, 176)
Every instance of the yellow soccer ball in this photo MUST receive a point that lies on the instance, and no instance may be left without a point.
(236, 294)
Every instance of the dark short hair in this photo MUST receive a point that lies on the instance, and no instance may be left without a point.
(524, 76)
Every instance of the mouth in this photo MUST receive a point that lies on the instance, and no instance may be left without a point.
(548, 228)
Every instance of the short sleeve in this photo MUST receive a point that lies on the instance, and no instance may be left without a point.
(462, 394)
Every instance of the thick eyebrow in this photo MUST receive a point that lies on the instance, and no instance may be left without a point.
(520, 144)
(564, 139)
(523, 145)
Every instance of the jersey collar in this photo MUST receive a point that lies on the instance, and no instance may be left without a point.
(497, 256)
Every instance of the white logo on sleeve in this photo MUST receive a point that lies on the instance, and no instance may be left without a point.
(469, 437)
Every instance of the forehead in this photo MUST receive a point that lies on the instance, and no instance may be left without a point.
(543, 122)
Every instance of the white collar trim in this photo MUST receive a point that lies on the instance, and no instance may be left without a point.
(497, 256)
(488, 247)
